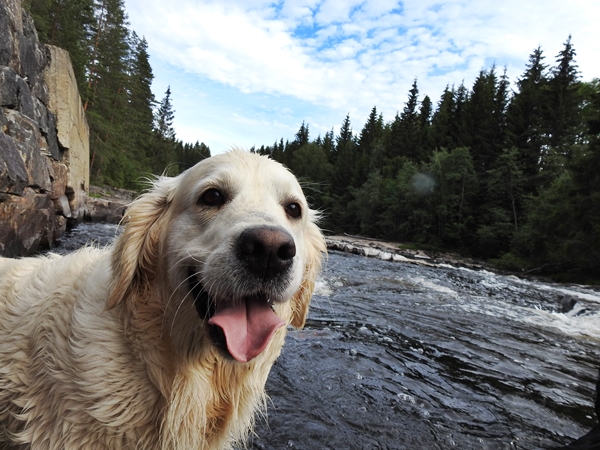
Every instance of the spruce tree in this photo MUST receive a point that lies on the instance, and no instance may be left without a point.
(461, 124)
(482, 123)
(408, 128)
(426, 139)
(564, 100)
(141, 101)
(163, 148)
(442, 121)
(66, 24)
(106, 98)
(187, 155)
(369, 138)
(328, 145)
(502, 213)
(500, 110)
(302, 136)
(163, 118)
(527, 123)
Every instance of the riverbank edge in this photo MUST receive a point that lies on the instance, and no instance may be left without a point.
(107, 205)
(393, 251)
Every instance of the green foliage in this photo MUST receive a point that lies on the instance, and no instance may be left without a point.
(562, 231)
(455, 188)
(502, 212)
(527, 124)
(188, 155)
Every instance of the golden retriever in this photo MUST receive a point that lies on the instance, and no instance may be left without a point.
(165, 339)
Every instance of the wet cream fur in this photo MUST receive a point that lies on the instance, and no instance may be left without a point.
(103, 348)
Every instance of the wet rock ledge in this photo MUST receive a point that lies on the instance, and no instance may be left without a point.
(107, 205)
(390, 251)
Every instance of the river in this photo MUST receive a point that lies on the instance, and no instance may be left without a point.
(403, 356)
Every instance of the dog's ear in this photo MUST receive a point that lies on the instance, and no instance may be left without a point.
(315, 250)
(135, 253)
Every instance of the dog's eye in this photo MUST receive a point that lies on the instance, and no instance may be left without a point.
(293, 210)
(212, 197)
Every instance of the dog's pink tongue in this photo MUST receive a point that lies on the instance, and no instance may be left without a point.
(248, 327)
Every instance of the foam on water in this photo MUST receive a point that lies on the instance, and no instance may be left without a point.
(322, 288)
(428, 284)
(580, 321)
(589, 295)
(574, 323)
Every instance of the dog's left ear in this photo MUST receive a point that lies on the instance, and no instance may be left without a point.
(135, 253)
(316, 249)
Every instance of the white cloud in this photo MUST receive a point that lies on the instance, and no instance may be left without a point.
(348, 55)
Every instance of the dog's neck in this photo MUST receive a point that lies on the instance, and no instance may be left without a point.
(206, 397)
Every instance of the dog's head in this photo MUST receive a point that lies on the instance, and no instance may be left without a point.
(231, 249)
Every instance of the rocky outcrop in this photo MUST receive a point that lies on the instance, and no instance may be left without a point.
(43, 139)
(389, 251)
(107, 205)
(71, 127)
(375, 249)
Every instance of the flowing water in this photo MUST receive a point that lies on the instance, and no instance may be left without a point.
(401, 356)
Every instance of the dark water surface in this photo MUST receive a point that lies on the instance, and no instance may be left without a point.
(400, 356)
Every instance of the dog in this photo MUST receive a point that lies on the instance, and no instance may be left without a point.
(165, 339)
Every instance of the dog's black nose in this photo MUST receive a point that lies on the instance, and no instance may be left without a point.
(267, 251)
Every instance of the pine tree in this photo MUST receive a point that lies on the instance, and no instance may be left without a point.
(310, 165)
(370, 132)
(461, 124)
(369, 138)
(66, 24)
(188, 155)
(500, 110)
(563, 221)
(564, 100)
(141, 100)
(329, 145)
(501, 214)
(426, 138)
(106, 98)
(163, 149)
(408, 128)
(453, 198)
(163, 119)
(482, 123)
(442, 121)
(302, 136)
(527, 124)
(345, 137)
(278, 149)
(343, 174)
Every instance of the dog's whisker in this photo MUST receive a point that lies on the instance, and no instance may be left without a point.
(190, 292)
(178, 263)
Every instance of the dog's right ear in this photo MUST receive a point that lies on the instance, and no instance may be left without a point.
(315, 249)
(135, 253)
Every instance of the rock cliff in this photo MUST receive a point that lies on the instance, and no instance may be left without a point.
(44, 144)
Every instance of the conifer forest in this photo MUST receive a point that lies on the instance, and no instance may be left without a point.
(504, 170)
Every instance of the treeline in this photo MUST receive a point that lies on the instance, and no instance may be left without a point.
(131, 134)
(500, 173)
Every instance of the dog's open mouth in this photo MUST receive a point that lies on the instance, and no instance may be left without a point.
(243, 328)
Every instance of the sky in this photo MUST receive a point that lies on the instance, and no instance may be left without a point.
(247, 73)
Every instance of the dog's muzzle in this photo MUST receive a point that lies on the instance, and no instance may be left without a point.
(243, 326)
